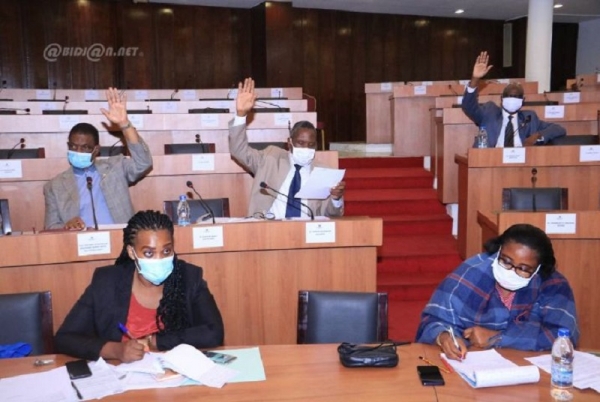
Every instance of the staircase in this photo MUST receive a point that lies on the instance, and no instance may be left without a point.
(418, 247)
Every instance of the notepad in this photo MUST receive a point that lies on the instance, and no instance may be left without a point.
(489, 369)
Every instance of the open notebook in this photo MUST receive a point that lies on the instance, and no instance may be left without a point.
(489, 369)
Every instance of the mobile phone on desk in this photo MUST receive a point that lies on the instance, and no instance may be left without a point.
(78, 369)
(220, 358)
(430, 375)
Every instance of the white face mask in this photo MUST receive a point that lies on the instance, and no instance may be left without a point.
(302, 156)
(512, 105)
(508, 278)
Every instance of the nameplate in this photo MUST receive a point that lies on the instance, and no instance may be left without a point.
(504, 81)
(282, 119)
(420, 90)
(554, 112)
(91, 94)
(589, 153)
(44, 94)
(459, 100)
(10, 169)
(571, 97)
(188, 94)
(561, 223)
(140, 94)
(137, 120)
(208, 236)
(169, 107)
(203, 162)
(427, 83)
(67, 121)
(320, 232)
(513, 155)
(464, 82)
(386, 87)
(276, 92)
(93, 243)
(209, 120)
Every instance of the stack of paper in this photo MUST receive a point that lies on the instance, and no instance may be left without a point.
(586, 369)
(489, 369)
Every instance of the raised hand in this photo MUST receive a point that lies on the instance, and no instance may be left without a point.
(481, 68)
(117, 107)
(244, 102)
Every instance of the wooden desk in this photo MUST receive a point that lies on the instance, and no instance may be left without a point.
(314, 373)
(379, 115)
(577, 257)
(255, 277)
(166, 181)
(482, 176)
(458, 131)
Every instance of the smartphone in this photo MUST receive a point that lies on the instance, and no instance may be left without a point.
(220, 358)
(430, 375)
(78, 369)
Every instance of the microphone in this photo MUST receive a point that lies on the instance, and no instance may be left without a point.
(267, 187)
(112, 147)
(54, 93)
(452, 90)
(270, 104)
(3, 85)
(65, 105)
(204, 204)
(522, 125)
(174, 93)
(13, 149)
(8, 109)
(533, 181)
(198, 140)
(88, 180)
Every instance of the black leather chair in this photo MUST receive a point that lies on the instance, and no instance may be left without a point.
(546, 199)
(334, 317)
(586, 139)
(191, 148)
(220, 207)
(27, 317)
(25, 153)
(5, 225)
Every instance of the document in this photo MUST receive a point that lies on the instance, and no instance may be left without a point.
(586, 369)
(489, 369)
(319, 183)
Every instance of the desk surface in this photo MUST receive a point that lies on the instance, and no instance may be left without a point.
(313, 373)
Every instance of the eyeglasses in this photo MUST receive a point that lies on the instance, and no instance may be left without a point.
(80, 148)
(524, 272)
(267, 215)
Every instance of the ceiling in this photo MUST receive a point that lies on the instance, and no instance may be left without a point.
(572, 10)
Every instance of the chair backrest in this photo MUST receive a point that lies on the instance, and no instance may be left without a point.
(25, 153)
(220, 207)
(191, 148)
(5, 225)
(546, 198)
(586, 139)
(27, 317)
(334, 317)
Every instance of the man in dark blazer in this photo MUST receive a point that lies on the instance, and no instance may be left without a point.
(68, 196)
(525, 127)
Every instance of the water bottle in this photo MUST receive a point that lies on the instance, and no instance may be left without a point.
(183, 211)
(482, 138)
(562, 367)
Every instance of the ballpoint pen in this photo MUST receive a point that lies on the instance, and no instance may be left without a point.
(451, 331)
(77, 391)
(124, 330)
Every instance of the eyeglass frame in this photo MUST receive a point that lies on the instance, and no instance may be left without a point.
(518, 270)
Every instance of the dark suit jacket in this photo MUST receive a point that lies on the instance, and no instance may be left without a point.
(94, 319)
(490, 116)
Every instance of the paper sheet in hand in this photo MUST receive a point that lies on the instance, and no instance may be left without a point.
(489, 369)
(319, 183)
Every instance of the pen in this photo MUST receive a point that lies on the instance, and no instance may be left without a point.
(451, 331)
(76, 390)
(124, 330)
(435, 365)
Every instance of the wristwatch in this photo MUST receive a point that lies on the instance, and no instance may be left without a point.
(126, 126)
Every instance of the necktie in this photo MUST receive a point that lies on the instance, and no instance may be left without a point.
(509, 134)
(293, 204)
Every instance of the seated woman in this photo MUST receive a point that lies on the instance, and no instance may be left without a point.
(511, 296)
(161, 300)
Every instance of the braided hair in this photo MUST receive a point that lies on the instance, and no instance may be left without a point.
(171, 311)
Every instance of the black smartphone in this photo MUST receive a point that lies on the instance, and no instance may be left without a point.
(78, 369)
(430, 375)
(220, 358)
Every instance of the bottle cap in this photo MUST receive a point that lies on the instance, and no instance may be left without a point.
(564, 332)
(183, 197)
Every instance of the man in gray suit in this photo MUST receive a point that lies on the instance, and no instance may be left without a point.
(282, 170)
(91, 184)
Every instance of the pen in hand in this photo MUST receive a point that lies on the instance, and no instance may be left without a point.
(76, 391)
(451, 331)
(124, 330)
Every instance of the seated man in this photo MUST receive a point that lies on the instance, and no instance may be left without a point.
(525, 127)
(510, 296)
(282, 170)
(68, 195)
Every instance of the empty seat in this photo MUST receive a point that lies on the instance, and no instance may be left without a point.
(219, 206)
(523, 198)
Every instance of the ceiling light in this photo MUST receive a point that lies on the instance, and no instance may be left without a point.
(558, 5)
(459, 11)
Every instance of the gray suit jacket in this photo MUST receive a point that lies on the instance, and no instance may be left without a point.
(117, 172)
(271, 166)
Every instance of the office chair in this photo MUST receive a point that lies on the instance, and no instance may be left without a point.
(27, 317)
(587, 139)
(25, 153)
(191, 148)
(220, 207)
(546, 199)
(5, 226)
(334, 317)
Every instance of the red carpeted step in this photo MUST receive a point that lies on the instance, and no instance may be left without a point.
(404, 318)
(389, 194)
(416, 264)
(409, 287)
(387, 172)
(354, 163)
(424, 181)
(378, 208)
(417, 224)
(418, 245)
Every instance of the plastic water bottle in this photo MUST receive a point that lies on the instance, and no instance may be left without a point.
(562, 367)
(482, 138)
(183, 211)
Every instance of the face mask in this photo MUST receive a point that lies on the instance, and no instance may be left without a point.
(153, 270)
(302, 156)
(508, 278)
(512, 105)
(79, 160)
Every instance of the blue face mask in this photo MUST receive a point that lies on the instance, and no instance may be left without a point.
(79, 160)
(153, 270)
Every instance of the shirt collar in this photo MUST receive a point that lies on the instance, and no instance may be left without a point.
(80, 172)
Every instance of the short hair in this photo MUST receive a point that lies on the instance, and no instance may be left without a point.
(302, 125)
(531, 236)
(86, 129)
(513, 85)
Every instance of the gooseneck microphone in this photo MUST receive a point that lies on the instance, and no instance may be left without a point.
(269, 103)
(65, 104)
(522, 125)
(204, 204)
(112, 148)
(533, 181)
(174, 93)
(13, 149)
(13, 109)
(88, 180)
(267, 187)
(452, 90)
